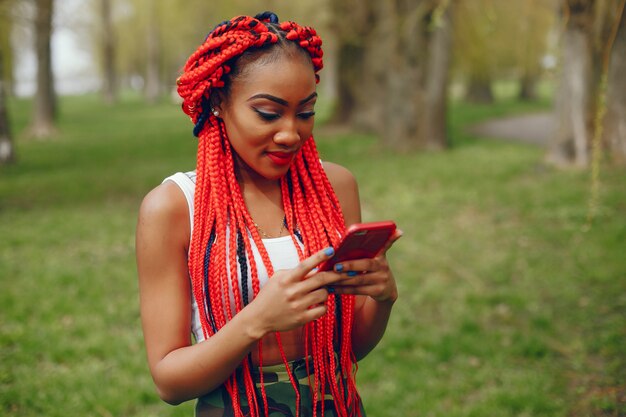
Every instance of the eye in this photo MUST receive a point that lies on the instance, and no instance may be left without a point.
(306, 115)
(267, 116)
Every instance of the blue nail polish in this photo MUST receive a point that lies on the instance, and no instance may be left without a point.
(339, 267)
(329, 251)
(330, 289)
(352, 273)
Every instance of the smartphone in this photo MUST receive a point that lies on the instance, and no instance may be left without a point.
(361, 240)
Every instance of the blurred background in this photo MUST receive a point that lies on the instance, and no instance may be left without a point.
(492, 131)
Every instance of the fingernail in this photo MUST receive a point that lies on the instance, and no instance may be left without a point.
(339, 267)
(329, 251)
(330, 289)
(352, 273)
(314, 270)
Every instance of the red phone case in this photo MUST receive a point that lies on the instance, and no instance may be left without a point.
(361, 240)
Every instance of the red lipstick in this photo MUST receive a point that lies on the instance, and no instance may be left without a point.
(280, 158)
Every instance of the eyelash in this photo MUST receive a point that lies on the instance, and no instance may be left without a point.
(269, 117)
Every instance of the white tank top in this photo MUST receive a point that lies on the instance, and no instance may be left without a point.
(282, 251)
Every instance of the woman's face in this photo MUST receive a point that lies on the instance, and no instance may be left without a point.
(269, 114)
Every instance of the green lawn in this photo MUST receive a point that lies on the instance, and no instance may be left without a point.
(512, 304)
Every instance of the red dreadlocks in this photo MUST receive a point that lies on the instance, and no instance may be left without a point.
(312, 212)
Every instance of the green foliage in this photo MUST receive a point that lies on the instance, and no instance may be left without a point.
(511, 305)
(497, 38)
(183, 25)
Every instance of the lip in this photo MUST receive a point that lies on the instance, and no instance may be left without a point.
(281, 158)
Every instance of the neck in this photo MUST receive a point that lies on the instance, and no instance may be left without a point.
(263, 199)
(251, 181)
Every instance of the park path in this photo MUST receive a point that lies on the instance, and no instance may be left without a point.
(533, 128)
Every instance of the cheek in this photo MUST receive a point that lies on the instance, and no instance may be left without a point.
(244, 132)
(306, 131)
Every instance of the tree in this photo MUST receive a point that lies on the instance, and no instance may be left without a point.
(7, 153)
(417, 38)
(393, 62)
(355, 26)
(433, 120)
(6, 27)
(570, 144)
(586, 34)
(44, 115)
(501, 39)
(534, 18)
(160, 36)
(153, 63)
(615, 119)
(475, 36)
(109, 89)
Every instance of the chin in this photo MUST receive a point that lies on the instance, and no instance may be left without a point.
(277, 173)
(276, 176)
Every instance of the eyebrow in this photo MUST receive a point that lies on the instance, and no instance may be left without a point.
(280, 100)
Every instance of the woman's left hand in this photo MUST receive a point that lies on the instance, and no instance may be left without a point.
(371, 277)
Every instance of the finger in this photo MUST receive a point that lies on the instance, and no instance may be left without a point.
(320, 280)
(312, 272)
(352, 278)
(313, 305)
(314, 313)
(356, 279)
(358, 266)
(397, 234)
(313, 298)
(306, 266)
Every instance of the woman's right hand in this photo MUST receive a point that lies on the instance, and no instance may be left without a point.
(291, 298)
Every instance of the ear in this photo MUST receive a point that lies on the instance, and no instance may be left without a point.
(216, 101)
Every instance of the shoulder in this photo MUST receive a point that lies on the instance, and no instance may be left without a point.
(347, 190)
(165, 200)
(339, 176)
(164, 210)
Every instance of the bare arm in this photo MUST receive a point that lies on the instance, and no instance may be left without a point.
(180, 370)
(375, 291)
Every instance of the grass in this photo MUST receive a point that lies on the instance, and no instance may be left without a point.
(512, 303)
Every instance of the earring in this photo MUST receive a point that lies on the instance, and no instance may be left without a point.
(215, 113)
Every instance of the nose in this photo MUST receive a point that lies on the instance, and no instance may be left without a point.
(288, 135)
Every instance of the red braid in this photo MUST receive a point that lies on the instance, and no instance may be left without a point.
(222, 223)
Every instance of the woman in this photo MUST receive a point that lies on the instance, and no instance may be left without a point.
(230, 251)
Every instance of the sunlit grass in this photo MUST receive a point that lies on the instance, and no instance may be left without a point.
(511, 304)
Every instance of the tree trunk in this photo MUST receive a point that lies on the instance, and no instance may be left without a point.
(579, 84)
(371, 90)
(404, 91)
(432, 132)
(109, 88)
(570, 144)
(350, 68)
(479, 91)
(44, 116)
(6, 27)
(403, 103)
(394, 71)
(417, 76)
(528, 87)
(359, 65)
(615, 118)
(153, 81)
(7, 153)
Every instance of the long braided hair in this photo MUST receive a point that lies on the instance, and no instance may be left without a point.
(223, 236)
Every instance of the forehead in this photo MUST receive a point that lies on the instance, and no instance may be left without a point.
(287, 74)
